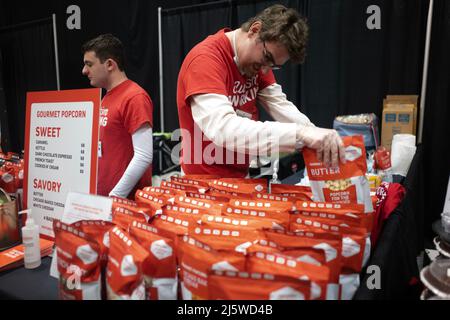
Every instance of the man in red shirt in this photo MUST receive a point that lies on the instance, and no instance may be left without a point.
(221, 80)
(126, 120)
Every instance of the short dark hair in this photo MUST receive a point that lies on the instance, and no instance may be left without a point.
(106, 46)
(285, 26)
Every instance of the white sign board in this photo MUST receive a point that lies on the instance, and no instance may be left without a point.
(61, 148)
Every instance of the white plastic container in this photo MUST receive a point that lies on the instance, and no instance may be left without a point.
(31, 243)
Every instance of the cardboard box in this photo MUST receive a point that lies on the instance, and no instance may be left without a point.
(407, 99)
(397, 118)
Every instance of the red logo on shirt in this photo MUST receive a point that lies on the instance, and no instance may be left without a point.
(244, 93)
(103, 117)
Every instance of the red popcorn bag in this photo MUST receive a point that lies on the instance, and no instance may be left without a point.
(344, 184)
(124, 276)
(78, 262)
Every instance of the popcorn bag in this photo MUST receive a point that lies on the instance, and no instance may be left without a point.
(78, 263)
(98, 231)
(160, 268)
(197, 259)
(280, 264)
(232, 285)
(123, 217)
(226, 238)
(344, 184)
(125, 279)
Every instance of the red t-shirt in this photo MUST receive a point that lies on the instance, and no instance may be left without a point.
(210, 68)
(124, 110)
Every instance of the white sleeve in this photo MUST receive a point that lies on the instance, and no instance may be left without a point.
(216, 118)
(143, 156)
(274, 101)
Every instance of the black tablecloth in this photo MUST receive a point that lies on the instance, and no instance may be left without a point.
(24, 284)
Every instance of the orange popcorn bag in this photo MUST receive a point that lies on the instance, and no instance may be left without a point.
(209, 206)
(239, 187)
(160, 191)
(355, 242)
(152, 200)
(122, 202)
(98, 231)
(260, 209)
(232, 285)
(78, 263)
(160, 268)
(125, 279)
(346, 183)
(197, 260)
(220, 200)
(301, 193)
(350, 214)
(226, 238)
(238, 222)
(201, 185)
(282, 265)
(189, 210)
(329, 243)
(174, 226)
(123, 217)
(177, 187)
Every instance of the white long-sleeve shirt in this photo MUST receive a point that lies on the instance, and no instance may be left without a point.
(216, 117)
(143, 156)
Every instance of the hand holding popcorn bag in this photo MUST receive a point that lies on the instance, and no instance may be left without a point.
(160, 268)
(125, 280)
(344, 184)
(78, 263)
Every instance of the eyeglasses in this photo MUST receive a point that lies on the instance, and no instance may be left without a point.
(268, 59)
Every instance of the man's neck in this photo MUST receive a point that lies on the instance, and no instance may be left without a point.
(116, 80)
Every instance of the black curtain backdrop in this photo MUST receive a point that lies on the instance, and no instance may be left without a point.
(28, 65)
(437, 116)
(135, 22)
(182, 29)
(3, 111)
(349, 68)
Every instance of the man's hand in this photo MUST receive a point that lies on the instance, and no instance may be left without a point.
(326, 142)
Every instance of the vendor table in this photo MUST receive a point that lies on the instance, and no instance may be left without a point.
(23, 284)
(399, 244)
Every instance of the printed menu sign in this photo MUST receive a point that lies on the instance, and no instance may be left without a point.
(61, 145)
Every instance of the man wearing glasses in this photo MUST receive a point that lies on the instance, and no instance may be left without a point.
(221, 80)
